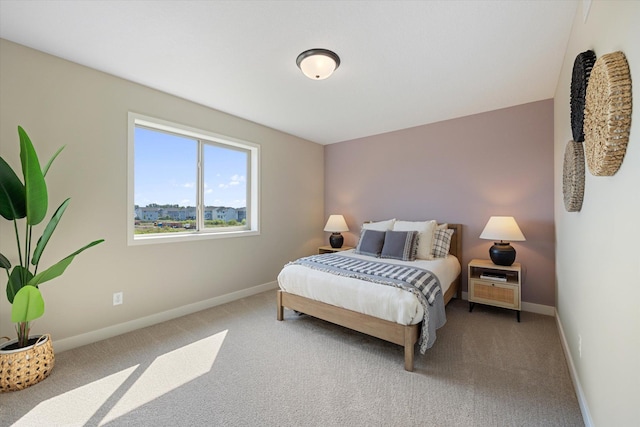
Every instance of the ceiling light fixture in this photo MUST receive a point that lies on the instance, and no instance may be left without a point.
(318, 64)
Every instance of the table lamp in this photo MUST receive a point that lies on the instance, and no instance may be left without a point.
(335, 225)
(504, 229)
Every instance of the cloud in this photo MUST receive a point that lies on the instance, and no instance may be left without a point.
(189, 185)
(233, 181)
(236, 180)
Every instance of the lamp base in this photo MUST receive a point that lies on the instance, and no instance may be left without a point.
(336, 240)
(502, 253)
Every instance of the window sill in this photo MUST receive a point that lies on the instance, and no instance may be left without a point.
(146, 239)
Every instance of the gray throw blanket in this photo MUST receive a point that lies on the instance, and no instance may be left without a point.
(422, 283)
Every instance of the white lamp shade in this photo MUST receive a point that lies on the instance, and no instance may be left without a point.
(502, 228)
(336, 224)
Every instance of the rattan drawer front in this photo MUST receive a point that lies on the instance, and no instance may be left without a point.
(498, 294)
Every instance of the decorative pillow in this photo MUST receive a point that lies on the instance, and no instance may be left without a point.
(400, 245)
(380, 225)
(370, 243)
(441, 243)
(425, 231)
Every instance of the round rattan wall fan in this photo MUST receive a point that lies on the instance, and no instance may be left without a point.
(582, 67)
(573, 176)
(607, 115)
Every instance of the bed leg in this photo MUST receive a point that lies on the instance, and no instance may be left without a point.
(280, 309)
(408, 349)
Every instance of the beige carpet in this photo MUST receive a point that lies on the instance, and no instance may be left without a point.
(235, 365)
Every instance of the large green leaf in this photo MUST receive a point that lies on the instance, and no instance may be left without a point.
(28, 305)
(15, 282)
(48, 231)
(4, 262)
(59, 268)
(37, 198)
(46, 168)
(12, 193)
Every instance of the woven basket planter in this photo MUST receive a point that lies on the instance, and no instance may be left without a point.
(573, 176)
(607, 115)
(26, 366)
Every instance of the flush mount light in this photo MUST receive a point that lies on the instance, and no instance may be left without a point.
(318, 64)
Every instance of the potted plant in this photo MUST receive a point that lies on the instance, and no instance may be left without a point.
(28, 201)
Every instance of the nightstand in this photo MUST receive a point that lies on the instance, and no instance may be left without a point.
(329, 250)
(495, 285)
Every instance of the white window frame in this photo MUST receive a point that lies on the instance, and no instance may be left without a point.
(251, 228)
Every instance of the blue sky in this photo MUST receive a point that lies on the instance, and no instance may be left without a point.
(165, 171)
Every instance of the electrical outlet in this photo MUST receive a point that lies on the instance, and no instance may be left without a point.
(580, 346)
(117, 298)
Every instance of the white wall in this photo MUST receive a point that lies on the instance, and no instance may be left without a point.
(598, 261)
(59, 102)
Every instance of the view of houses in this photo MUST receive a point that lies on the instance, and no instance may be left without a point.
(155, 212)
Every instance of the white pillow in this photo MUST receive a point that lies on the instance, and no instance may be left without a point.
(425, 230)
(379, 225)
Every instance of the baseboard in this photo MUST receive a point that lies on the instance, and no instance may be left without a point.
(530, 307)
(551, 311)
(547, 310)
(143, 322)
(582, 401)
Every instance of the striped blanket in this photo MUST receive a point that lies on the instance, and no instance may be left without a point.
(422, 283)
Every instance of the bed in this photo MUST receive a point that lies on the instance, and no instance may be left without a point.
(319, 294)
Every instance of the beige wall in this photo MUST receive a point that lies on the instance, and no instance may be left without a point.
(58, 103)
(598, 261)
(463, 171)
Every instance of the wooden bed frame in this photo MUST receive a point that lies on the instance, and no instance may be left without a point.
(404, 335)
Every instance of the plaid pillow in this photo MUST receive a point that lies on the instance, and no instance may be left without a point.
(441, 243)
(402, 245)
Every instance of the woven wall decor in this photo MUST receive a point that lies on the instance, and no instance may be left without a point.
(582, 67)
(573, 176)
(607, 115)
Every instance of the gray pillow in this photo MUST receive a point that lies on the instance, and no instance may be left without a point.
(370, 243)
(401, 245)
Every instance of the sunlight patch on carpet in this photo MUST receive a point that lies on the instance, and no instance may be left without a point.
(76, 407)
(168, 372)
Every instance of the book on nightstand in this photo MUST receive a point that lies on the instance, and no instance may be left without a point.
(497, 277)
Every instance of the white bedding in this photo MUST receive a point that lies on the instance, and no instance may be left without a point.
(381, 301)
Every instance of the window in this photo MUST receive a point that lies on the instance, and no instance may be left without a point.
(187, 184)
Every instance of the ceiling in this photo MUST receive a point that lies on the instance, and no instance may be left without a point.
(403, 63)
